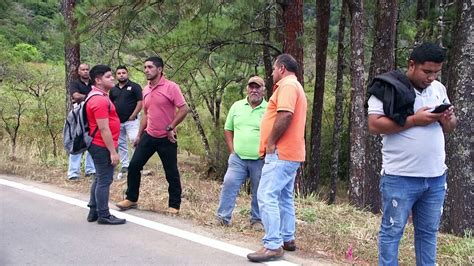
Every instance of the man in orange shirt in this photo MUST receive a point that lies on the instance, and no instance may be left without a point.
(283, 145)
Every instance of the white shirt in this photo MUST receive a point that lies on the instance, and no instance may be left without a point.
(417, 151)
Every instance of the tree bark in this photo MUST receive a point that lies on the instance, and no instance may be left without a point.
(357, 119)
(72, 55)
(311, 180)
(339, 103)
(458, 214)
(267, 59)
(383, 60)
(422, 9)
(293, 28)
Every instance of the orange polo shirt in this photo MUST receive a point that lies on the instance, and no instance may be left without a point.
(288, 95)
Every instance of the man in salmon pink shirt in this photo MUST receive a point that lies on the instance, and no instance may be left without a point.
(104, 127)
(164, 108)
(282, 145)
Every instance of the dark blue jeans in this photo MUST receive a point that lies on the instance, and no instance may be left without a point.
(424, 197)
(104, 174)
(168, 152)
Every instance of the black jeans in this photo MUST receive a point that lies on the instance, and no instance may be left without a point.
(104, 175)
(168, 153)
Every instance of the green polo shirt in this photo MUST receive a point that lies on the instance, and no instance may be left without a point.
(244, 121)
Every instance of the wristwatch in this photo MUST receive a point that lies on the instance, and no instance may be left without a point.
(169, 128)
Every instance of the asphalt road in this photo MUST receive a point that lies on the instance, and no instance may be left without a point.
(38, 230)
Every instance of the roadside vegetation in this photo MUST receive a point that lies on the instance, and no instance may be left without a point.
(338, 232)
(210, 49)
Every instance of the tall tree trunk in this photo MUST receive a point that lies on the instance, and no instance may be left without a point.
(200, 128)
(339, 103)
(458, 214)
(442, 35)
(293, 28)
(311, 180)
(267, 58)
(422, 9)
(72, 55)
(430, 31)
(357, 122)
(395, 45)
(293, 45)
(383, 60)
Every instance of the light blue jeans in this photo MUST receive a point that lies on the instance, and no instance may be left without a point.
(127, 129)
(237, 172)
(424, 197)
(74, 169)
(275, 199)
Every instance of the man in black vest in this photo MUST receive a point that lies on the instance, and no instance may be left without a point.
(78, 91)
(127, 98)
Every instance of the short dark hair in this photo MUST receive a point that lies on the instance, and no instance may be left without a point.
(288, 61)
(121, 67)
(156, 60)
(98, 71)
(427, 52)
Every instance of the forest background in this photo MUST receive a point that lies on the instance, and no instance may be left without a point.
(211, 48)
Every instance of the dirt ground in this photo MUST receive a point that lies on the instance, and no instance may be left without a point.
(200, 200)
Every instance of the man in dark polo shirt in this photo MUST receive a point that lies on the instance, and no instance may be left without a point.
(78, 91)
(127, 98)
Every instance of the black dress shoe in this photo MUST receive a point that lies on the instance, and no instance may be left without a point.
(110, 220)
(92, 216)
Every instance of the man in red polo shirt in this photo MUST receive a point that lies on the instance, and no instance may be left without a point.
(104, 124)
(157, 133)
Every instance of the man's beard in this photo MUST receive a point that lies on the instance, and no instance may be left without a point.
(152, 77)
(255, 100)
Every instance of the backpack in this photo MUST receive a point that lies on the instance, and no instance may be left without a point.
(76, 137)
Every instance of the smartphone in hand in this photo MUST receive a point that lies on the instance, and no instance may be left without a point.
(441, 108)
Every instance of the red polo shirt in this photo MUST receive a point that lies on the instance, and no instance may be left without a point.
(160, 103)
(97, 107)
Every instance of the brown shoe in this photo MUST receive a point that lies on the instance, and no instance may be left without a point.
(126, 205)
(265, 254)
(172, 210)
(289, 245)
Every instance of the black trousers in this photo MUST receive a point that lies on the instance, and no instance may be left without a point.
(104, 176)
(168, 153)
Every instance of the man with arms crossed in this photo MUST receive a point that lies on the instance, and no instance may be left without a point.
(283, 145)
(79, 90)
(242, 135)
(157, 133)
(127, 98)
(101, 114)
(413, 168)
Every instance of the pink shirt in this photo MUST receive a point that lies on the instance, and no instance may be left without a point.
(160, 103)
(97, 107)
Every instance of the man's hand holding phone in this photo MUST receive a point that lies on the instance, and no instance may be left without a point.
(441, 108)
(447, 114)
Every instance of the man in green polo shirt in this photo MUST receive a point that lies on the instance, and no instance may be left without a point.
(242, 135)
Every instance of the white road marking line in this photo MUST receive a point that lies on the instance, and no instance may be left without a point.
(216, 244)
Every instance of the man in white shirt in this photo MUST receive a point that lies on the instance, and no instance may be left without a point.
(413, 169)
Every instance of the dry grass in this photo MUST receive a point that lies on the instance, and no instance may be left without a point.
(322, 231)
